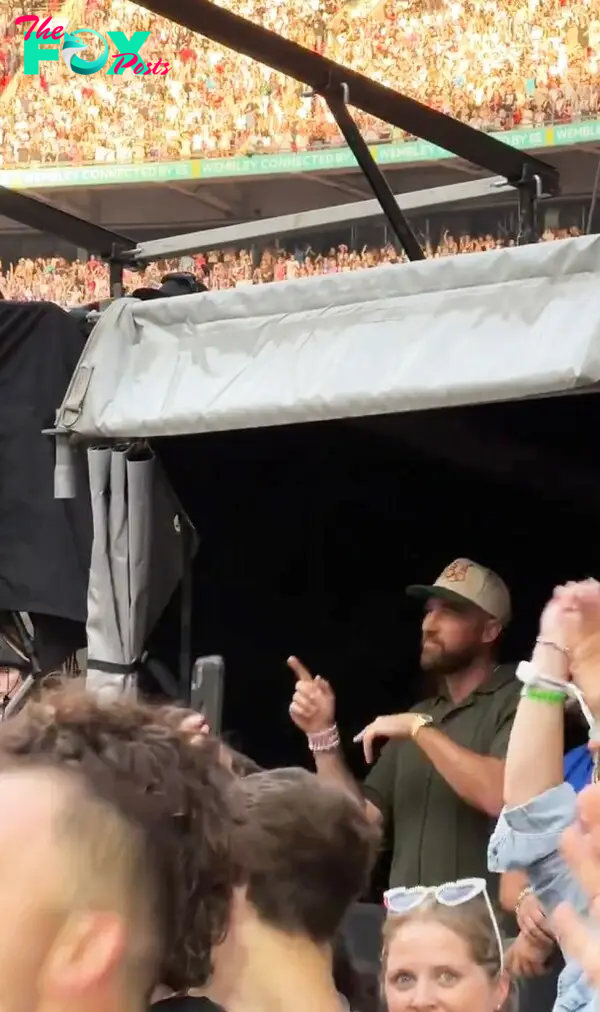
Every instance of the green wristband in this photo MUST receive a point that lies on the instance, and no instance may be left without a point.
(545, 695)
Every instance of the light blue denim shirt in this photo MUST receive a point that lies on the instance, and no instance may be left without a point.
(528, 838)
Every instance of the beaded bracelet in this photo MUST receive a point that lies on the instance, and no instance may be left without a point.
(527, 891)
(325, 741)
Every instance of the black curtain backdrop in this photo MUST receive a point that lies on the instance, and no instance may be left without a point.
(44, 542)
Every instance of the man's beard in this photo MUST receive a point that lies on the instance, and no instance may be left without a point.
(449, 662)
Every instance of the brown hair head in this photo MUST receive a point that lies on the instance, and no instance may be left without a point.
(178, 796)
(309, 851)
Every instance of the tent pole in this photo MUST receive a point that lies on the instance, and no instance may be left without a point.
(530, 193)
(185, 620)
(115, 266)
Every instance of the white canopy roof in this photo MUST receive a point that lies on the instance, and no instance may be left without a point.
(462, 330)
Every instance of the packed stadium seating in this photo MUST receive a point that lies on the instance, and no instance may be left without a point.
(496, 64)
(77, 283)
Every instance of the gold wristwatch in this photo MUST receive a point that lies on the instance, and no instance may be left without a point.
(421, 720)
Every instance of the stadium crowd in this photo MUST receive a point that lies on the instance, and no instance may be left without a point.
(496, 64)
(78, 282)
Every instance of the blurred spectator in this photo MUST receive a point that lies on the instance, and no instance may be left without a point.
(81, 886)
(446, 955)
(309, 851)
(179, 802)
(80, 282)
(496, 64)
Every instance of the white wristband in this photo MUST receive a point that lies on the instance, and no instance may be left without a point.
(531, 677)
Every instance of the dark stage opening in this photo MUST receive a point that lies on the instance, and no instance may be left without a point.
(310, 533)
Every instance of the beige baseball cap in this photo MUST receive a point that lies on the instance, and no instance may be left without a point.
(465, 580)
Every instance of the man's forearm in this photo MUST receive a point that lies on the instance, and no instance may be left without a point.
(477, 779)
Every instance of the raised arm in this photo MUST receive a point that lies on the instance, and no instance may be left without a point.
(313, 711)
(539, 806)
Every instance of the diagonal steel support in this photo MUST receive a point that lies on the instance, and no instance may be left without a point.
(46, 218)
(373, 174)
(320, 75)
(108, 245)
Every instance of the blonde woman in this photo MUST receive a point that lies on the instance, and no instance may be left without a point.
(442, 950)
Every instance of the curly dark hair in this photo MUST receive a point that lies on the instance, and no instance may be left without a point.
(178, 794)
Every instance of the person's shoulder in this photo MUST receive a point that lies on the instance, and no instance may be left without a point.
(426, 706)
(506, 692)
(506, 686)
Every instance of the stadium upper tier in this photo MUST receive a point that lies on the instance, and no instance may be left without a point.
(496, 64)
(78, 282)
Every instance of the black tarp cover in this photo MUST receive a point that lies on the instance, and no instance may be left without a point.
(45, 542)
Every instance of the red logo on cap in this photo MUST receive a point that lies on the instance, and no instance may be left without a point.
(457, 572)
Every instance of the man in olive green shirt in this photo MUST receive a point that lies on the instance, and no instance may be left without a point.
(437, 785)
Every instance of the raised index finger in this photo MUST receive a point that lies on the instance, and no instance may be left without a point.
(301, 673)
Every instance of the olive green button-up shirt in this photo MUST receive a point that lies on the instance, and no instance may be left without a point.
(438, 837)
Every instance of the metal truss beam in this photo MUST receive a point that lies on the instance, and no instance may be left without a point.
(44, 217)
(306, 221)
